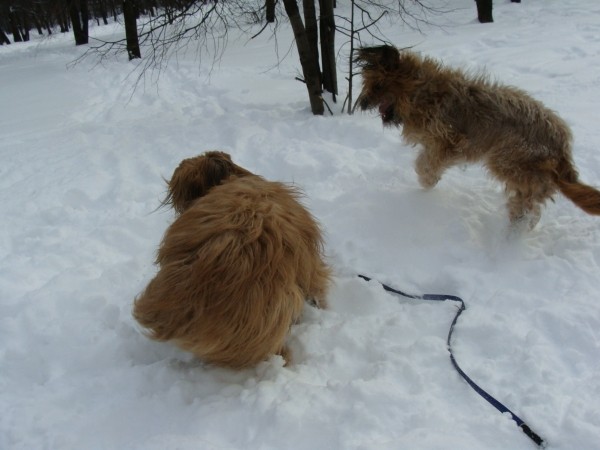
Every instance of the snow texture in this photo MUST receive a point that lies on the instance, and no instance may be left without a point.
(83, 161)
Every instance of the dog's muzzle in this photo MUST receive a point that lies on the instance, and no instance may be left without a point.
(387, 113)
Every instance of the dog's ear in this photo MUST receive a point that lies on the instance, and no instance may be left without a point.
(383, 56)
(194, 177)
(390, 57)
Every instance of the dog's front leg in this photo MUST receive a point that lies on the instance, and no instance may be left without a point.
(428, 168)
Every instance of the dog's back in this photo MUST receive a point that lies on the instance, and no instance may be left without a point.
(235, 269)
(481, 110)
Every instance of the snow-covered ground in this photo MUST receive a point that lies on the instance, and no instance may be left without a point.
(83, 160)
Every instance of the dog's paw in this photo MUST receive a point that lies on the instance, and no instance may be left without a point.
(526, 221)
(427, 180)
(317, 303)
(286, 354)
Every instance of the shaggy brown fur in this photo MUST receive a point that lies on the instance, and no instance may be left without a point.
(235, 266)
(458, 118)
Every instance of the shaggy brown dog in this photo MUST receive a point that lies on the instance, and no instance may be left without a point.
(457, 119)
(235, 266)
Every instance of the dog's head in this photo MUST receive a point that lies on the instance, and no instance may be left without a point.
(380, 58)
(194, 177)
(385, 71)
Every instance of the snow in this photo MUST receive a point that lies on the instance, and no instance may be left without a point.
(83, 161)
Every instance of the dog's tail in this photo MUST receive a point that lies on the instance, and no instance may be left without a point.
(584, 196)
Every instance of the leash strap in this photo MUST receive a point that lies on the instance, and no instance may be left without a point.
(495, 403)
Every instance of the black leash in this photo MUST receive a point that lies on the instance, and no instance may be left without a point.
(495, 403)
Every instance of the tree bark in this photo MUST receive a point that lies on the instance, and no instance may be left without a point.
(100, 11)
(23, 23)
(3, 38)
(38, 25)
(308, 60)
(14, 26)
(352, 34)
(131, 33)
(63, 19)
(85, 19)
(312, 31)
(484, 11)
(79, 20)
(270, 10)
(328, 63)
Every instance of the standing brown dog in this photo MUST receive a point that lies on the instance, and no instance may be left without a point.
(236, 265)
(457, 119)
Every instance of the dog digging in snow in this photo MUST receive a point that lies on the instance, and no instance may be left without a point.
(456, 118)
(235, 267)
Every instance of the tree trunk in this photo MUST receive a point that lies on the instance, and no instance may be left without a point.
(79, 20)
(3, 38)
(25, 26)
(312, 31)
(75, 23)
(63, 20)
(484, 11)
(327, 31)
(42, 16)
(270, 10)
(14, 26)
(308, 60)
(131, 33)
(103, 9)
(38, 26)
(85, 19)
(349, 98)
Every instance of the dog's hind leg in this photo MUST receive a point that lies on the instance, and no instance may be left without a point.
(522, 211)
(525, 204)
